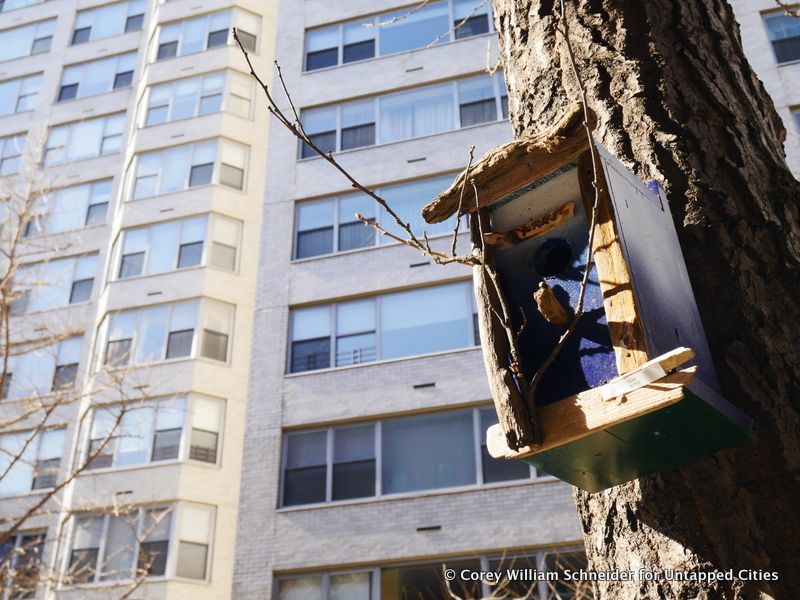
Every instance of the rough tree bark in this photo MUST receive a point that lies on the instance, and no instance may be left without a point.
(677, 101)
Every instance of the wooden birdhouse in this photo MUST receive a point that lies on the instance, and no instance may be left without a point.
(631, 390)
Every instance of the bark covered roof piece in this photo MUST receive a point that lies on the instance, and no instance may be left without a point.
(512, 166)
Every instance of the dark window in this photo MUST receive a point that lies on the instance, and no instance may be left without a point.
(787, 49)
(248, 40)
(308, 355)
(203, 446)
(81, 290)
(474, 113)
(358, 136)
(217, 38)
(314, 242)
(358, 51)
(355, 235)
(123, 79)
(425, 581)
(179, 343)
(134, 23)
(64, 376)
(96, 213)
(304, 485)
(475, 25)
(83, 565)
(46, 474)
(325, 141)
(322, 58)
(153, 557)
(166, 444)
(68, 92)
(504, 106)
(105, 458)
(131, 265)
(189, 255)
(496, 470)
(201, 174)
(560, 562)
(167, 50)
(353, 462)
(81, 35)
(118, 352)
(215, 345)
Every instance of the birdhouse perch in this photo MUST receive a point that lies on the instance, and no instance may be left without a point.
(618, 401)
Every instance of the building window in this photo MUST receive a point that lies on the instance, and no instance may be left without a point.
(20, 94)
(405, 115)
(425, 580)
(409, 323)
(97, 76)
(179, 244)
(30, 460)
(398, 31)
(41, 369)
(167, 331)
(11, 149)
(796, 115)
(141, 541)
(26, 40)
(784, 33)
(7, 5)
(195, 96)
(71, 208)
(416, 453)
(20, 561)
(182, 167)
(55, 283)
(84, 139)
(198, 34)
(182, 428)
(330, 225)
(108, 20)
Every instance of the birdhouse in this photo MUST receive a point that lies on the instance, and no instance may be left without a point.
(627, 387)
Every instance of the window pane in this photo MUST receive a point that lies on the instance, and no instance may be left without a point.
(215, 345)
(308, 323)
(231, 176)
(179, 343)
(192, 560)
(321, 59)
(309, 355)
(203, 445)
(81, 291)
(302, 588)
(414, 30)
(118, 352)
(351, 586)
(420, 112)
(426, 320)
(354, 462)
(304, 477)
(425, 581)
(407, 200)
(201, 174)
(428, 451)
(166, 444)
(131, 265)
(355, 349)
(223, 256)
(120, 548)
(189, 255)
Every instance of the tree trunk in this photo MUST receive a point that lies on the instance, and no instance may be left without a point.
(677, 101)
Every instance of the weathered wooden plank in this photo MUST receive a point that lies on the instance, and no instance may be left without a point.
(616, 284)
(515, 420)
(583, 414)
(514, 165)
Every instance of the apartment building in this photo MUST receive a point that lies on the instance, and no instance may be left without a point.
(771, 41)
(364, 466)
(140, 117)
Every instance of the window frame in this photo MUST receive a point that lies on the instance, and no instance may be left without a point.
(477, 442)
(333, 336)
(234, 12)
(189, 402)
(102, 10)
(175, 513)
(49, 27)
(17, 540)
(17, 142)
(116, 60)
(445, 37)
(36, 438)
(498, 80)
(775, 15)
(33, 79)
(70, 129)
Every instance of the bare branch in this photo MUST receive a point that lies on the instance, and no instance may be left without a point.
(790, 11)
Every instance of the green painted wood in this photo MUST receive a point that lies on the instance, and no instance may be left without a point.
(671, 437)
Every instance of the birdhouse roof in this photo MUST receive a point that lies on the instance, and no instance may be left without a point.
(512, 166)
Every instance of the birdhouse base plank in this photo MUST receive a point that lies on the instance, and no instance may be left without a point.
(595, 444)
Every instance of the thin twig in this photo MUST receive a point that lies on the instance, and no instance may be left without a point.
(788, 10)
(458, 25)
(461, 200)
